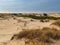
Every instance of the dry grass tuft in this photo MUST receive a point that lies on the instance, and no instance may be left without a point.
(45, 36)
(57, 23)
(30, 34)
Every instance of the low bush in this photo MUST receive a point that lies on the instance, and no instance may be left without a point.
(44, 35)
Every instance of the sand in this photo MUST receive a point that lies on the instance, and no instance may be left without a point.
(9, 27)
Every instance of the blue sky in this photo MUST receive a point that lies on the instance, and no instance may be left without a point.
(29, 5)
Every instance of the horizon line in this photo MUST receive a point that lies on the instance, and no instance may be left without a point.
(29, 12)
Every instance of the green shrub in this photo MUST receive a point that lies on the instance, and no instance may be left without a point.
(45, 14)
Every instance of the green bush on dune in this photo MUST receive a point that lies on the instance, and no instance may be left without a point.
(57, 23)
(33, 16)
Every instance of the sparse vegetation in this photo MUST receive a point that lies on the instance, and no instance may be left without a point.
(33, 16)
(45, 35)
(57, 23)
(45, 14)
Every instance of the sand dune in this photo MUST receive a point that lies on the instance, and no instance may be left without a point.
(11, 26)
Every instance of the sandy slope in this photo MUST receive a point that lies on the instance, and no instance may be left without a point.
(54, 14)
(9, 27)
